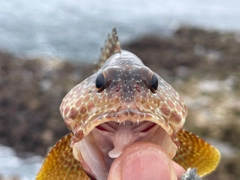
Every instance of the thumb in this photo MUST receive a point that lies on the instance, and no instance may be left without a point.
(141, 161)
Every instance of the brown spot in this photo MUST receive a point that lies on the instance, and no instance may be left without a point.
(73, 113)
(165, 110)
(175, 117)
(77, 137)
(82, 110)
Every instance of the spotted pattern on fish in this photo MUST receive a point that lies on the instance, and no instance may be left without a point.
(125, 96)
(83, 104)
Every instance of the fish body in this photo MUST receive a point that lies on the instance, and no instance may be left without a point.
(122, 103)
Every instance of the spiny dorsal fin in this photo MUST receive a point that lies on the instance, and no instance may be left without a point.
(112, 45)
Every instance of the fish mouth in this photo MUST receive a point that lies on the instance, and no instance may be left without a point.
(113, 132)
(121, 135)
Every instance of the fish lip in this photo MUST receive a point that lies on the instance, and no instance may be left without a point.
(121, 116)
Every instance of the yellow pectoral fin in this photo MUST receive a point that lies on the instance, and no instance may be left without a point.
(196, 153)
(60, 163)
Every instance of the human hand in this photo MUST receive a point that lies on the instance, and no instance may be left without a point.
(145, 161)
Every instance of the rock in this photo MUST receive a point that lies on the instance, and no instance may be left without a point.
(31, 92)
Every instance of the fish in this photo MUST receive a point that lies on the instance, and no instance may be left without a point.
(122, 103)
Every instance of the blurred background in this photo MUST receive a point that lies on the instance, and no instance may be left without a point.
(48, 47)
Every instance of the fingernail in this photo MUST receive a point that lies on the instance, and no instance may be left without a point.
(146, 162)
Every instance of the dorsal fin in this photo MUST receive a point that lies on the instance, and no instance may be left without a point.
(112, 45)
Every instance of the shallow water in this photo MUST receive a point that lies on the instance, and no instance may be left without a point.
(11, 165)
(74, 30)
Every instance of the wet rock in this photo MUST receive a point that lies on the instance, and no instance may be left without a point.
(31, 92)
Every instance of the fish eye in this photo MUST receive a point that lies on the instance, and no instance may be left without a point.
(154, 83)
(100, 82)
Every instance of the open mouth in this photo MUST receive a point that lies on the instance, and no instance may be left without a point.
(108, 140)
(117, 136)
(122, 135)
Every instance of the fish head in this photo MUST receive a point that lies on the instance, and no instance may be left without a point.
(124, 102)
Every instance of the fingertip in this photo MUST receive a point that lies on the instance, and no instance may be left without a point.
(143, 161)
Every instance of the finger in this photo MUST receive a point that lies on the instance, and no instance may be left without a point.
(143, 160)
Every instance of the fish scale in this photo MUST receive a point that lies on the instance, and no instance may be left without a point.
(122, 90)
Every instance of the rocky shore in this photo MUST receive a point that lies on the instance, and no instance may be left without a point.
(203, 66)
